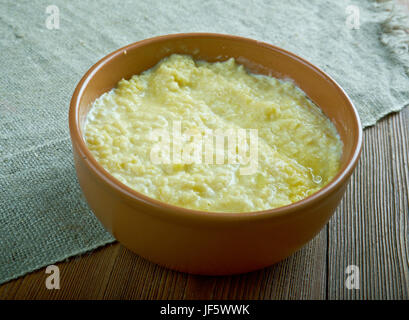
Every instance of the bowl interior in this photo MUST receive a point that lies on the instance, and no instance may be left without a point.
(256, 56)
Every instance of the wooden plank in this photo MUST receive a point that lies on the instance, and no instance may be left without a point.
(82, 277)
(399, 143)
(136, 278)
(370, 227)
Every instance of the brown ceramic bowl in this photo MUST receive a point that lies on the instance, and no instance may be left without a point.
(202, 242)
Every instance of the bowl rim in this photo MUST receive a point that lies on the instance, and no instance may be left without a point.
(181, 212)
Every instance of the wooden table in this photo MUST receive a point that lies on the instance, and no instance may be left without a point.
(370, 229)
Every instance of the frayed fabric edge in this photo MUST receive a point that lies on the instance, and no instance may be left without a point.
(395, 31)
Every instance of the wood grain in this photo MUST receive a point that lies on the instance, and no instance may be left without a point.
(369, 229)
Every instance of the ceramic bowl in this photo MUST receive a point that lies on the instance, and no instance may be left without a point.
(199, 242)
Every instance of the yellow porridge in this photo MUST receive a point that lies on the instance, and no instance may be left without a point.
(292, 148)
